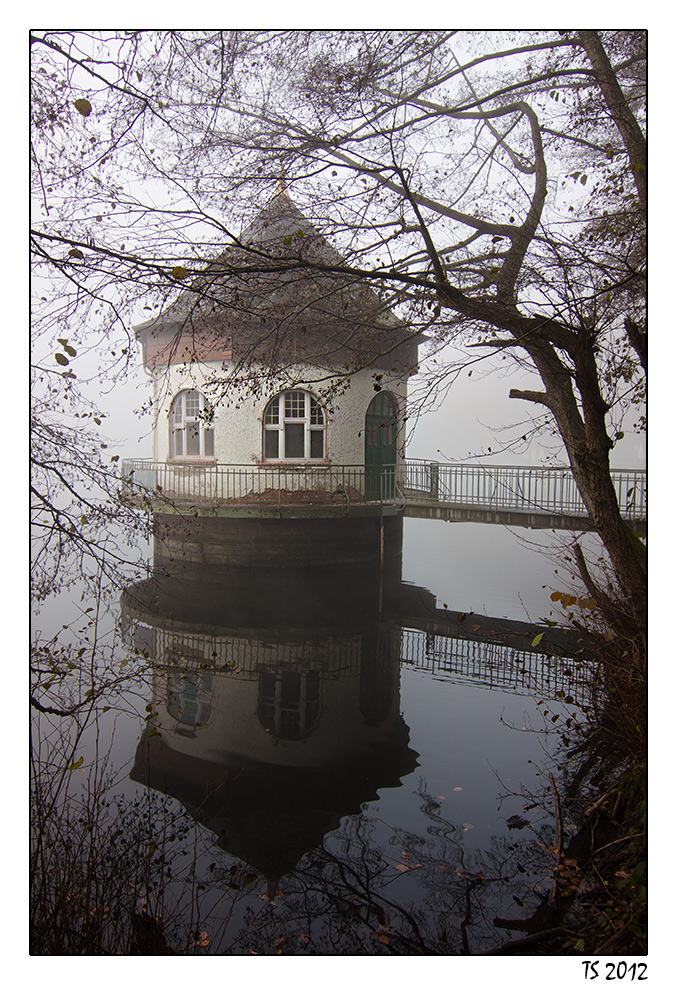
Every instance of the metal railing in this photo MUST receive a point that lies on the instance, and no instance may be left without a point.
(263, 485)
(535, 489)
(516, 487)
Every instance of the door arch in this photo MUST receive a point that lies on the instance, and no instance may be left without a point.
(380, 446)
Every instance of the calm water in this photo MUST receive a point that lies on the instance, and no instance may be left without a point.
(364, 781)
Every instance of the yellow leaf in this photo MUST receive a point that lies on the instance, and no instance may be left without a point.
(76, 764)
(179, 273)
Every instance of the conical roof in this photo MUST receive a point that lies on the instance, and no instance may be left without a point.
(281, 229)
(281, 295)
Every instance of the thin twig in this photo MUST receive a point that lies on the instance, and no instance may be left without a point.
(560, 837)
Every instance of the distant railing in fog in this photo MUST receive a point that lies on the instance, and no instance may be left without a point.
(532, 489)
(516, 487)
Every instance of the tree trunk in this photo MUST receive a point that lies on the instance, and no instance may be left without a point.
(621, 114)
(588, 444)
(626, 552)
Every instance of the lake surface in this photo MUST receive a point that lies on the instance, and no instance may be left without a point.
(332, 767)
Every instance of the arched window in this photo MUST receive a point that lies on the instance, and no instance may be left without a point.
(381, 421)
(294, 428)
(191, 434)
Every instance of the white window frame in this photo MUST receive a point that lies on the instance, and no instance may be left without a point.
(290, 407)
(185, 413)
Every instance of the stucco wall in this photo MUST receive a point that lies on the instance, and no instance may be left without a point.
(238, 429)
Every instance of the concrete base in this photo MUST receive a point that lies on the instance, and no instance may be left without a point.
(265, 543)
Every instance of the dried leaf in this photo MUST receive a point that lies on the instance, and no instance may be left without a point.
(83, 106)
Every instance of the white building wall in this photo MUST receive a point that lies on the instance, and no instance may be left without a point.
(238, 429)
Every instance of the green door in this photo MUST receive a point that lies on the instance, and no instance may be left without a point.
(380, 446)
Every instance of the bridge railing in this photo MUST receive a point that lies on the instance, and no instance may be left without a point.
(516, 487)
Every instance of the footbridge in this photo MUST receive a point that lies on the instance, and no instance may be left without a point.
(533, 496)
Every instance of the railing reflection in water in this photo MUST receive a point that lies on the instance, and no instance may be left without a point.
(492, 665)
(497, 666)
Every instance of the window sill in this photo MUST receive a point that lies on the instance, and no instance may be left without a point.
(199, 462)
(301, 463)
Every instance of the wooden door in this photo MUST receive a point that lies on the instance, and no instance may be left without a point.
(380, 446)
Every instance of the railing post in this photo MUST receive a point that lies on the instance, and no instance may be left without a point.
(434, 479)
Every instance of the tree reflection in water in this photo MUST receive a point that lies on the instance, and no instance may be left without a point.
(373, 889)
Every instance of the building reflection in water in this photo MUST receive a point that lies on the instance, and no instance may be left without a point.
(277, 695)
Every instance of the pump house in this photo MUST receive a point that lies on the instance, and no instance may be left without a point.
(279, 390)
